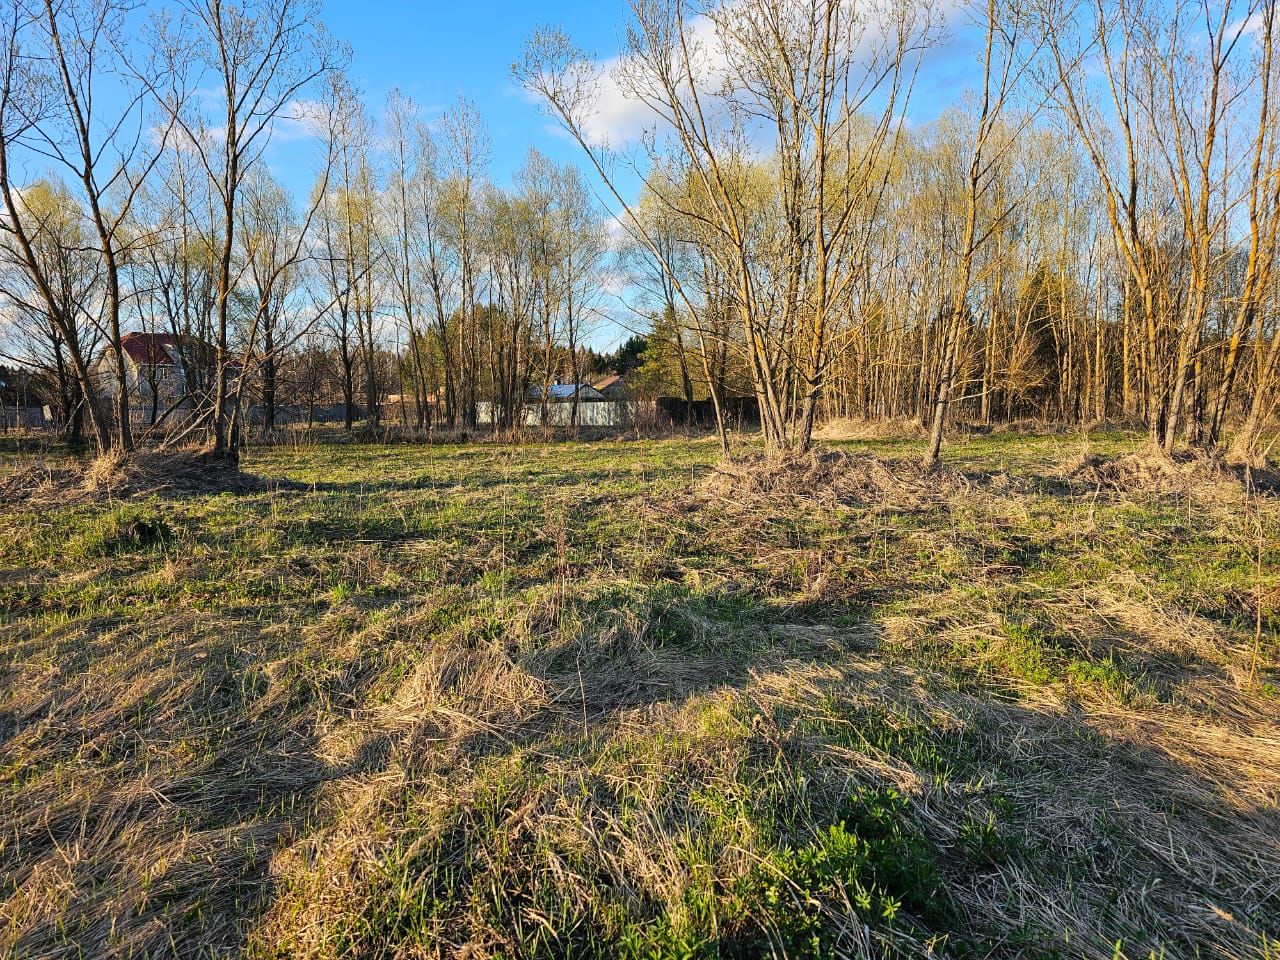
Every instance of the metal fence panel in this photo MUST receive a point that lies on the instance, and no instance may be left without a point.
(23, 418)
(591, 413)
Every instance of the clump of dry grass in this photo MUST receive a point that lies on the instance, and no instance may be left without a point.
(1193, 475)
(180, 471)
(139, 473)
(826, 477)
(849, 428)
(36, 481)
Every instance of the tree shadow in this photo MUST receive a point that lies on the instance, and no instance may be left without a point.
(454, 479)
(154, 775)
(1095, 800)
(169, 836)
(1087, 806)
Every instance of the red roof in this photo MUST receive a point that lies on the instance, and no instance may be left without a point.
(161, 350)
(608, 382)
(150, 348)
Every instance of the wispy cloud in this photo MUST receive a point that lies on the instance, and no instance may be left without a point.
(616, 117)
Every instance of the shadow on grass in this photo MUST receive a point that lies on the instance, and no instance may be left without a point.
(35, 444)
(448, 479)
(153, 769)
(151, 776)
(1041, 817)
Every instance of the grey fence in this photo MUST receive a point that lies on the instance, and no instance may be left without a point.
(591, 413)
(299, 413)
(25, 418)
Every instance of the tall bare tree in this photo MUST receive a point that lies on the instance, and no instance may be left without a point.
(813, 84)
(262, 57)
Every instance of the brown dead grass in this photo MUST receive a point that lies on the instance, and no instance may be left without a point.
(1197, 476)
(36, 482)
(179, 471)
(847, 428)
(826, 477)
(189, 782)
(136, 474)
(1185, 765)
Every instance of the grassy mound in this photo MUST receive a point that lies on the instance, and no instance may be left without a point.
(1196, 476)
(136, 474)
(179, 471)
(850, 429)
(823, 476)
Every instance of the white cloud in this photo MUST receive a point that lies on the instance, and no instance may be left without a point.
(613, 283)
(178, 139)
(617, 118)
(616, 233)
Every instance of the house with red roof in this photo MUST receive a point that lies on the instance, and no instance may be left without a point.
(160, 367)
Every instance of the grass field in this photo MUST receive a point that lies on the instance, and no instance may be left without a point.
(596, 699)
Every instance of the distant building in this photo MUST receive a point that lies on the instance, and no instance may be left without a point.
(614, 387)
(158, 365)
(19, 387)
(153, 366)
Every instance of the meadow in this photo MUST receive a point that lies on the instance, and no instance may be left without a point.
(604, 699)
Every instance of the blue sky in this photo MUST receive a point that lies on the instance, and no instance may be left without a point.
(436, 51)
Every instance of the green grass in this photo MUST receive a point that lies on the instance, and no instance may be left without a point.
(552, 700)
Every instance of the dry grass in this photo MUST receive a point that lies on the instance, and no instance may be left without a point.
(844, 428)
(179, 471)
(1200, 476)
(137, 474)
(580, 701)
(825, 476)
(35, 481)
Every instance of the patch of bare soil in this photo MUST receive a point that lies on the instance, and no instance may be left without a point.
(132, 474)
(1193, 475)
(827, 477)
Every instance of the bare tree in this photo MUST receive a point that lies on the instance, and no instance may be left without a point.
(67, 55)
(1000, 76)
(811, 83)
(1152, 119)
(464, 143)
(262, 56)
(403, 234)
(46, 306)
